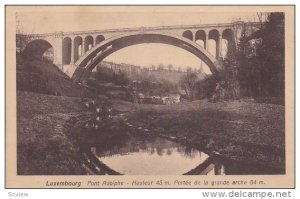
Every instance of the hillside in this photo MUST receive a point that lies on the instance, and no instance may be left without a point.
(43, 127)
(42, 77)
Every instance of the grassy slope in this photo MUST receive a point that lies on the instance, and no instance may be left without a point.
(44, 146)
(42, 77)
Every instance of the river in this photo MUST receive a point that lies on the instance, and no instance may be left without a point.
(136, 153)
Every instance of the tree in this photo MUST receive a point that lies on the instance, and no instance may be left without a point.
(188, 83)
(121, 79)
(206, 87)
(170, 67)
(189, 69)
(271, 54)
(261, 59)
(160, 67)
(153, 68)
(249, 68)
(105, 73)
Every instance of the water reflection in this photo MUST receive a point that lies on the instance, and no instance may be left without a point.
(212, 163)
(139, 154)
(150, 156)
(115, 152)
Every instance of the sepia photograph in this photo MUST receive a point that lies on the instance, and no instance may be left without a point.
(164, 92)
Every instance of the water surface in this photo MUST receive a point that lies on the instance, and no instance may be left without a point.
(155, 156)
(118, 152)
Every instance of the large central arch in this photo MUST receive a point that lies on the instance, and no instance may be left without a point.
(96, 54)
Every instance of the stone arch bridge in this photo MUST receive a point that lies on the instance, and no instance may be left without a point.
(76, 53)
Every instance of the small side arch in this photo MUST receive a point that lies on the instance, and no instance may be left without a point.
(188, 34)
(99, 39)
(36, 49)
(88, 43)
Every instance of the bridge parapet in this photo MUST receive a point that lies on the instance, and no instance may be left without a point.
(70, 46)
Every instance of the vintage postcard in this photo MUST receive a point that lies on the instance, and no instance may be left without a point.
(150, 96)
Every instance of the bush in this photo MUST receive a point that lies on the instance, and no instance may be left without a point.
(121, 79)
(105, 74)
(206, 87)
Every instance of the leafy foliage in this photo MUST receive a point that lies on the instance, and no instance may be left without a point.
(108, 75)
(261, 60)
(188, 84)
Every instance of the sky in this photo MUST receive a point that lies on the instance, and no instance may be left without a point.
(39, 21)
(43, 19)
(45, 22)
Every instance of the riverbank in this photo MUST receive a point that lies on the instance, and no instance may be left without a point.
(240, 130)
(43, 144)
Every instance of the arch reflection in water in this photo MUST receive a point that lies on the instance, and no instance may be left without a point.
(113, 152)
(152, 156)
